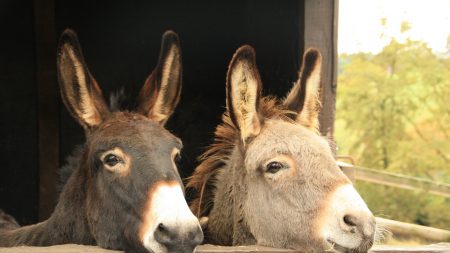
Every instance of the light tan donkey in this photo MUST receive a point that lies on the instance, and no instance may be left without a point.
(269, 178)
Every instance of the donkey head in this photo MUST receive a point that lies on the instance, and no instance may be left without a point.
(134, 197)
(295, 194)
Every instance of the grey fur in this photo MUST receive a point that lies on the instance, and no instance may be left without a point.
(283, 208)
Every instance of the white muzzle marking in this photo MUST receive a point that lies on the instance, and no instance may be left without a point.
(345, 200)
(168, 206)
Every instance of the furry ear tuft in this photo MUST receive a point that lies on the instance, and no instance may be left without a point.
(304, 96)
(161, 91)
(244, 92)
(79, 90)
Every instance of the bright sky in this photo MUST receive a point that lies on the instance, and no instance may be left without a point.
(360, 26)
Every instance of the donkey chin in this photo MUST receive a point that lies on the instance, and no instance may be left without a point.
(347, 225)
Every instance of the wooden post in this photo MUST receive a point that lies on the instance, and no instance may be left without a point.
(320, 31)
(48, 105)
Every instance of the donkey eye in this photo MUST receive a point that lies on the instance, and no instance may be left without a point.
(111, 160)
(274, 167)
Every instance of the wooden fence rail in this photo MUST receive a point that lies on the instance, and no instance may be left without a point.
(413, 230)
(395, 180)
(404, 182)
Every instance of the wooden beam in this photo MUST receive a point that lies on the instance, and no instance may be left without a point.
(73, 248)
(48, 105)
(395, 180)
(320, 31)
(433, 248)
(208, 248)
(404, 229)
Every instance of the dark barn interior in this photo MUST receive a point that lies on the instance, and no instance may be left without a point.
(120, 41)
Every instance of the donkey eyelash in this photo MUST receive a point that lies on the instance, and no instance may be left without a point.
(112, 157)
(284, 164)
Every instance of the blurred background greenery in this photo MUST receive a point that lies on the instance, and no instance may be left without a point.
(393, 114)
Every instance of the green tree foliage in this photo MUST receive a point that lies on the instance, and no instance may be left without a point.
(393, 114)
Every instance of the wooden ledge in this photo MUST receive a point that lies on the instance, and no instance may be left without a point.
(432, 248)
(208, 248)
(66, 248)
(74, 248)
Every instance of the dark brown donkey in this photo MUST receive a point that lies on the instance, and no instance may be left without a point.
(269, 178)
(126, 192)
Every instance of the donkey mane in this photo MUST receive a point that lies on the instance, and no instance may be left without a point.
(72, 163)
(202, 181)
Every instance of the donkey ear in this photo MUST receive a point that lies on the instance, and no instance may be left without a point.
(244, 92)
(304, 96)
(79, 90)
(161, 92)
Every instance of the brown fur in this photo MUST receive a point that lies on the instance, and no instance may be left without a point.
(126, 155)
(7, 221)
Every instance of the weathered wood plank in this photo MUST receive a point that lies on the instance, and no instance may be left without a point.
(320, 31)
(67, 248)
(238, 249)
(73, 248)
(433, 248)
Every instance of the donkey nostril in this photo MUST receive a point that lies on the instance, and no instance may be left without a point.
(350, 220)
(164, 235)
(161, 227)
(175, 236)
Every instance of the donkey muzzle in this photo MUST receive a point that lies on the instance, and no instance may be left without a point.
(169, 225)
(349, 225)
